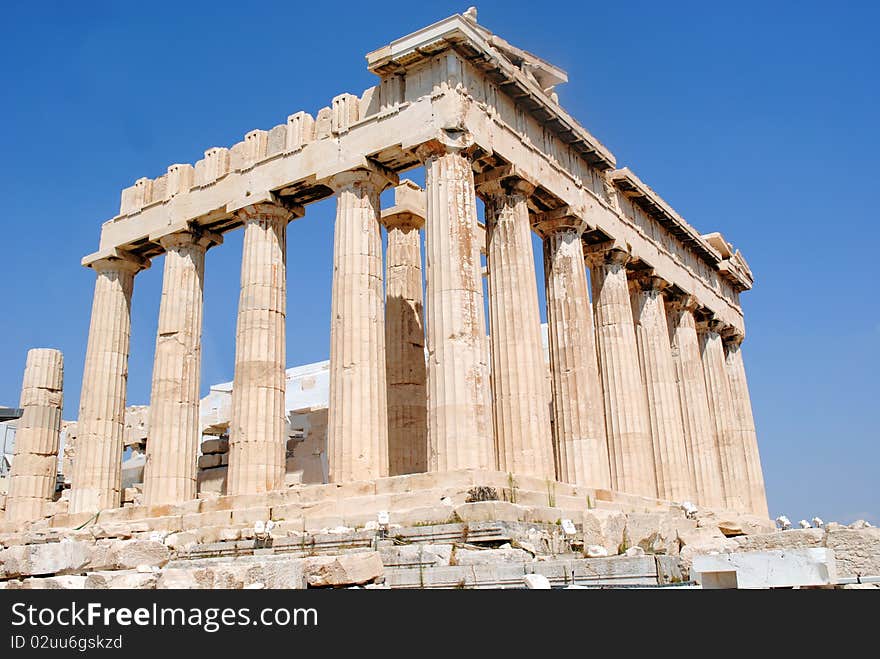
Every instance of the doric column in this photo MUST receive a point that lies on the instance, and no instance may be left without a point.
(745, 422)
(674, 478)
(459, 426)
(734, 474)
(172, 450)
(257, 437)
(358, 415)
(405, 368)
(34, 468)
(631, 453)
(523, 435)
(578, 407)
(97, 468)
(699, 431)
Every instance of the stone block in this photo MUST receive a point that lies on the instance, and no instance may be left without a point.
(183, 540)
(130, 554)
(212, 460)
(121, 580)
(441, 514)
(766, 569)
(213, 518)
(286, 511)
(416, 555)
(463, 556)
(538, 514)
(211, 446)
(287, 573)
(64, 582)
(605, 529)
(47, 558)
(212, 480)
(857, 551)
(352, 569)
(185, 579)
(791, 539)
(490, 511)
(319, 522)
(251, 515)
(656, 533)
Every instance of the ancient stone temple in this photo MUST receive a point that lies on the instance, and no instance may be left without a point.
(644, 398)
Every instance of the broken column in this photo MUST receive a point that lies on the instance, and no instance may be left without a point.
(699, 432)
(518, 372)
(96, 481)
(405, 368)
(357, 439)
(745, 421)
(459, 430)
(674, 479)
(578, 407)
(35, 465)
(170, 470)
(631, 452)
(734, 475)
(257, 441)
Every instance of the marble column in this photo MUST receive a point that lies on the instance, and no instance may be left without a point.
(257, 430)
(405, 368)
(97, 468)
(523, 434)
(35, 465)
(742, 406)
(578, 407)
(172, 450)
(674, 478)
(699, 431)
(734, 475)
(459, 424)
(631, 452)
(358, 413)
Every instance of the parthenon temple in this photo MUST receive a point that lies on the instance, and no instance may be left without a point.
(644, 395)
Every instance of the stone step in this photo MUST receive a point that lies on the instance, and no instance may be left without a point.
(615, 571)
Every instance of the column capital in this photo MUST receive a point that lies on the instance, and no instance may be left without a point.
(264, 204)
(192, 236)
(710, 324)
(373, 175)
(409, 209)
(447, 141)
(732, 336)
(610, 252)
(402, 220)
(116, 260)
(506, 180)
(564, 218)
(682, 302)
(647, 281)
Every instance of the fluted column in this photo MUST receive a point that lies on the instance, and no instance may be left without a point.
(34, 468)
(699, 431)
(405, 367)
(257, 438)
(459, 425)
(97, 468)
(674, 478)
(358, 414)
(745, 422)
(631, 452)
(734, 475)
(578, 407)
(523, 435)
(172, 450)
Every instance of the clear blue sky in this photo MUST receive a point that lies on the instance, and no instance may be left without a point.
(756, 119)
